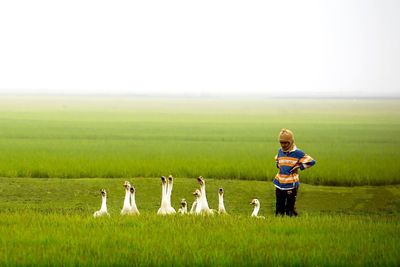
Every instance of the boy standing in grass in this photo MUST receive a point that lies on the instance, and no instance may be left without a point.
(289, 160)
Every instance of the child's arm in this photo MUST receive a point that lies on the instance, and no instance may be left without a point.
(305, 162)
(277, 161)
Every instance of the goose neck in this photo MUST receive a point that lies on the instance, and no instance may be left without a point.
(255, 211)
(103, 203)
(126, 200)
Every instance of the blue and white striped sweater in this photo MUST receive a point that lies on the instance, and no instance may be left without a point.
(287, 179)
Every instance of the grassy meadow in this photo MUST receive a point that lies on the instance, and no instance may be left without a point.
(71, 240)
(49, 222)
(355, 142)
(58, 152)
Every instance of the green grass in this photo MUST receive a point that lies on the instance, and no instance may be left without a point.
(354, 142)
(49, 222)
(57, 240)
(82, 196)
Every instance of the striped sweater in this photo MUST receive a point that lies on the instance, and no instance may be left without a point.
(287, 179)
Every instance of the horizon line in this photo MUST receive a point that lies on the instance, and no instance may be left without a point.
(205, 95)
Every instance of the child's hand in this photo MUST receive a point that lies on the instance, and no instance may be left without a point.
(295, 169)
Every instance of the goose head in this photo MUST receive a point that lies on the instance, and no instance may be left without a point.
(183, 203)
(255, 202)
(103, 193)
(132, 189)
(163, 180)
(200, 180)
(197, 194)
(127, 185)
(170, 180)
(221, 191)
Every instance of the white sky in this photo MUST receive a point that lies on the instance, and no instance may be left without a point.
(277, 47)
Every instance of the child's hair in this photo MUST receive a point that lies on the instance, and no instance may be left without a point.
(286, 134)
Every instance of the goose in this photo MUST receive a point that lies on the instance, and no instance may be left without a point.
(134, 210)
(103, 210)
(193, 208)
(183, 208)
(202, 204)
(221, 206)
(196, 202)
(163, 210)
(256, 203)
(170, 184)
(126, 209)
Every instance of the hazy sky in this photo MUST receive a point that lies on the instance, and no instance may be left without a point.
(277, 47)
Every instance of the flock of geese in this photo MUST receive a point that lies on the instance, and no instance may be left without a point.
(199, 206)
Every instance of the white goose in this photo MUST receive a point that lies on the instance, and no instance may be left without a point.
(221, 206)
(164, 203)
(196, 202)
(256, 203)
(126, 209)
(103, 210)
(183, 208)
(166, 191)
(134, 210)
(202, 204)
(170, 184)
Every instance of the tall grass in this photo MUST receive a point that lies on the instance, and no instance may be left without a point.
(354, 142)
(149, 240)
(48, 222)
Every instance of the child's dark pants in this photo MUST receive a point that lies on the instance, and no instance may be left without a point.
(285, 200)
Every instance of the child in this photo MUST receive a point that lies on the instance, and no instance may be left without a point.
(289, 160)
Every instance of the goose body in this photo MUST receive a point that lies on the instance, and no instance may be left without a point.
(221, 206)
(134, 210)
(183, 208)
(193, 208)
(166, 192)
(256, 203)
(164, 203)
(197, 202)
(103, 210)
(196, 195)
(170, 184)
(202, 203)
(126, 209)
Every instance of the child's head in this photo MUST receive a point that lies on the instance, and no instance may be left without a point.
(286, 139)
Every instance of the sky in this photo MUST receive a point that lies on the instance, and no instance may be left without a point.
(278, 48)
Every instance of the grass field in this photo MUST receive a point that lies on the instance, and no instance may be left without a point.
(355, 142)
(49, 222)
(58, 152)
